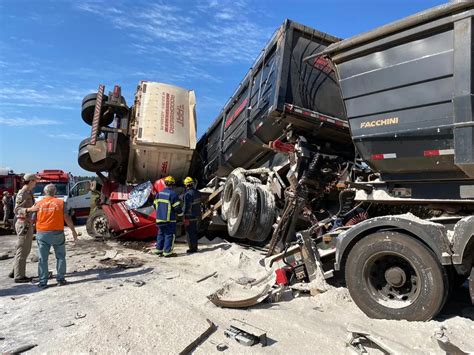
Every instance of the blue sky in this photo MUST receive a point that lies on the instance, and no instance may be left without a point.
(52, 53)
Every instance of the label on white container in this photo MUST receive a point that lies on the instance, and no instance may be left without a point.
(165, 116)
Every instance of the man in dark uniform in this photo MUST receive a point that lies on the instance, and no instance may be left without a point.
(24, 227)
(167, 207)
(192, 214)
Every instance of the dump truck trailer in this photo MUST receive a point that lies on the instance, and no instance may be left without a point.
(408, 95)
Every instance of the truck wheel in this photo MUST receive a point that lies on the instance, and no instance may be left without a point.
(88, 108)
(266, 215)
(394, 276)
(234, 179)
(243, 207)
(97, 224)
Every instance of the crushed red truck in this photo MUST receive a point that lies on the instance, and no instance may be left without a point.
(357, 151)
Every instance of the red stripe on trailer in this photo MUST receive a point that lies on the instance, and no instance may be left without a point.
(384, 156)
(437, 152)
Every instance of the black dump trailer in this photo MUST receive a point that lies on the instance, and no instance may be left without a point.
(408, 95)
(407, 90)
(279, 90)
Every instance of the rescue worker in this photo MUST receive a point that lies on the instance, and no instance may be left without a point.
(167, 207)
(50, 220)
(24, 227)
(95, 196)
(192, 214)
(7, 208)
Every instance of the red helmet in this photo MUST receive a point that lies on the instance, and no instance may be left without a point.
(158, 185)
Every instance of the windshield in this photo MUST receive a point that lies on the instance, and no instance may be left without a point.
(61, 188)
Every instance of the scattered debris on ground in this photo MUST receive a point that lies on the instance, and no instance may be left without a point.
(246, 334)
(126, 307)
(211, 329)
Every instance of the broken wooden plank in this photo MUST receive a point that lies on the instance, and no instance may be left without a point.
(206, 277)
(215, 193)
(200, 339)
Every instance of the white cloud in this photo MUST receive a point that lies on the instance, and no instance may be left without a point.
(210, 31)
(68, 136)
(23, 122)
(46, 97)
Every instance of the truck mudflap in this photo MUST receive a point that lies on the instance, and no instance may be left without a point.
(434, 235)
(463, 233)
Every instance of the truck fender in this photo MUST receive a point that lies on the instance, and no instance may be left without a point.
(434, 235)
(463, 239)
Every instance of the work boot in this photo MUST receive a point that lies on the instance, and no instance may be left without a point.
(62, 283)
(23, 280)
(172, 255)
(42, 286)
(191, 251)
(157, 252)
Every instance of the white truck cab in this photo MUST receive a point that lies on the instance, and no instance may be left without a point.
(76, 196)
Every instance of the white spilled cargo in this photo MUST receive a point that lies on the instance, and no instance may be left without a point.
(163, 132)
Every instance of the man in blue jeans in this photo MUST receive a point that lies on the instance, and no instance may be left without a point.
(167, 206)
(50, 219)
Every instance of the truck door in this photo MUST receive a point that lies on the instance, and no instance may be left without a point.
(78, 203)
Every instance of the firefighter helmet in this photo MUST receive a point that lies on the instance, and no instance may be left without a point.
(169, 180)
(188, 181)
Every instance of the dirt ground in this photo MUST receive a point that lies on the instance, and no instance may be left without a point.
(123, 300)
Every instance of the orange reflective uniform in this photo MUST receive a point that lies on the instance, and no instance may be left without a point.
(50, 216)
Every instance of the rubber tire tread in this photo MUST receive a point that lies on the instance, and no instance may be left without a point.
(89, 224)
(433, 281)
(241, 223)
(266, 215)
(234, 179)
(87, 112)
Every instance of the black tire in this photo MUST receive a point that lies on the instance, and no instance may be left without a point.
(265, 215)
(84, 159)
(90, 97)
(88, 108)
(232, 181)
(97, 224)
(243, 208)
(391, 275)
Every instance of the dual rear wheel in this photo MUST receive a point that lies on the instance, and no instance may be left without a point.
(248, 208)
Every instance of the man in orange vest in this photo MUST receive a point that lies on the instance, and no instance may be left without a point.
(50, 220)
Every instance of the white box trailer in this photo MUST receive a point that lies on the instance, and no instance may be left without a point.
(163, 132)
(153, 139)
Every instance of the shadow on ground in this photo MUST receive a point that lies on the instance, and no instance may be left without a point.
(90, 275)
